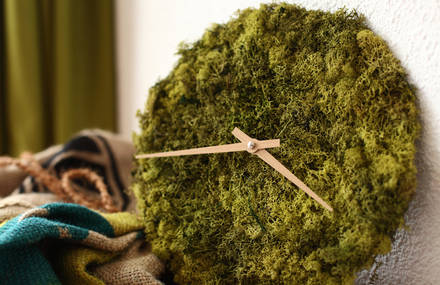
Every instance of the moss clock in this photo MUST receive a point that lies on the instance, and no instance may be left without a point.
(337, 100)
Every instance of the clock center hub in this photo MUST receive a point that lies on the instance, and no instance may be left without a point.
(252, 147)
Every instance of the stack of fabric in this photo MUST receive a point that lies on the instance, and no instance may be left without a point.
(44, 240)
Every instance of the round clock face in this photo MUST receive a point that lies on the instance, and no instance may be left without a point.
(334, 95)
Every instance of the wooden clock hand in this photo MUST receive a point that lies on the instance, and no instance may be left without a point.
(251, 146)
(272, 161)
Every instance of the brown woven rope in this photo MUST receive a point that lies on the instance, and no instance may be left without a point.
(63, 187)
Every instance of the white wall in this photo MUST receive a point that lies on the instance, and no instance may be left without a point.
(149, 32)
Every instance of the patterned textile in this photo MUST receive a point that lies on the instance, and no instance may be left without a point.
(43, 241)
(105, 153)
(58, 242)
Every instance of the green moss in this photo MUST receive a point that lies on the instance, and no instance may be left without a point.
(334, 94)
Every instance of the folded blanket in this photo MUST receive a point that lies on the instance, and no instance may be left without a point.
(107, 154)
(58, 242)
(43, 241)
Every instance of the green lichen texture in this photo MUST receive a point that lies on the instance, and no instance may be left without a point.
(336, 97)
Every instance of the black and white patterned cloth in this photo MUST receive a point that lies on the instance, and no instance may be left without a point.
(107, 154)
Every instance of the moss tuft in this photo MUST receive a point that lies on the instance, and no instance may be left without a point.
(334, 94)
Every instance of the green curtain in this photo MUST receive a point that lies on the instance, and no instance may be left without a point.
(57, 71)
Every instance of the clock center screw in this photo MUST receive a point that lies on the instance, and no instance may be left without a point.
(251, 145)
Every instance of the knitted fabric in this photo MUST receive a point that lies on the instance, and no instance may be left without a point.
(336, 97)
(56, 244)
(136, 266)
(65, 243)
(14, 205)
(63, 187)
(106, 154)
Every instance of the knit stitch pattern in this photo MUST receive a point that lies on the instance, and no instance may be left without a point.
(77, 238)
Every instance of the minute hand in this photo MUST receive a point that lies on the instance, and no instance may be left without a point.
(214, 149)
(272, 161)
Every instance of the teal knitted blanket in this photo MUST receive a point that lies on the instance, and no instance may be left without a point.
(22, 259)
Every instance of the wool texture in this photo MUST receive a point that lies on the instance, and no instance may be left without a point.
(339, 101)
(62, 243)
(105, 153)
(65, 243)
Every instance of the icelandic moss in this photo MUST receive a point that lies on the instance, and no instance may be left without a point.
(334, 94)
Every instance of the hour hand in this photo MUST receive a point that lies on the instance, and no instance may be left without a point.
(251, 146)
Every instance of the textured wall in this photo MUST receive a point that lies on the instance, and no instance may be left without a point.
(149, 32)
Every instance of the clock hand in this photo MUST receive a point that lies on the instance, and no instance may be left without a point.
(272, 161)
(251, 146)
